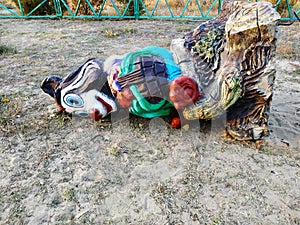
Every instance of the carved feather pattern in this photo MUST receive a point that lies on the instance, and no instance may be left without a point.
(234, 58)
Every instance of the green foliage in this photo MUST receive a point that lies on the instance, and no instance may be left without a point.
(6, 49)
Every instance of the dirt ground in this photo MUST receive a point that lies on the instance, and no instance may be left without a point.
(57, 170)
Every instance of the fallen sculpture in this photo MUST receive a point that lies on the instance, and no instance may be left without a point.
(226, 65)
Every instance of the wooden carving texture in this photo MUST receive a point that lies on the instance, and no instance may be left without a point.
(234, 63)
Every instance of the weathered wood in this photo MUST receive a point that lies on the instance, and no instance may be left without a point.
(232, 58)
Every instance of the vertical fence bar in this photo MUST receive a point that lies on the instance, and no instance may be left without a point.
(57, 7)
(136, 9)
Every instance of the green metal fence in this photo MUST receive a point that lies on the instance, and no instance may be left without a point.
(131, 9)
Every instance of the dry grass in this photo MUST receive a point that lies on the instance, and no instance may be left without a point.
(288, 42)
(61, 170)
(177, 7)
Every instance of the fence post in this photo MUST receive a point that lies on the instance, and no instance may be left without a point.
(57, 7)
(136, 9)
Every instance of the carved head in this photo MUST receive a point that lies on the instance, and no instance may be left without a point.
(83, 92)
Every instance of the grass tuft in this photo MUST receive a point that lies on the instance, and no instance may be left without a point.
(7, 50)
(111, 33)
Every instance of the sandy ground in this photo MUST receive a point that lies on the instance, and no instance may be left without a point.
(57, 170)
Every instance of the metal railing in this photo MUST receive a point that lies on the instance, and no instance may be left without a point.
(133, 9)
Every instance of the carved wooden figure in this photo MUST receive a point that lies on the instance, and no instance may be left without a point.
(226, 65)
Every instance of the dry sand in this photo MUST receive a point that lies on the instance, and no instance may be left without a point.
(56, 170)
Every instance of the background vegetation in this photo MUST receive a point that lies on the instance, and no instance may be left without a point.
(176, 6)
